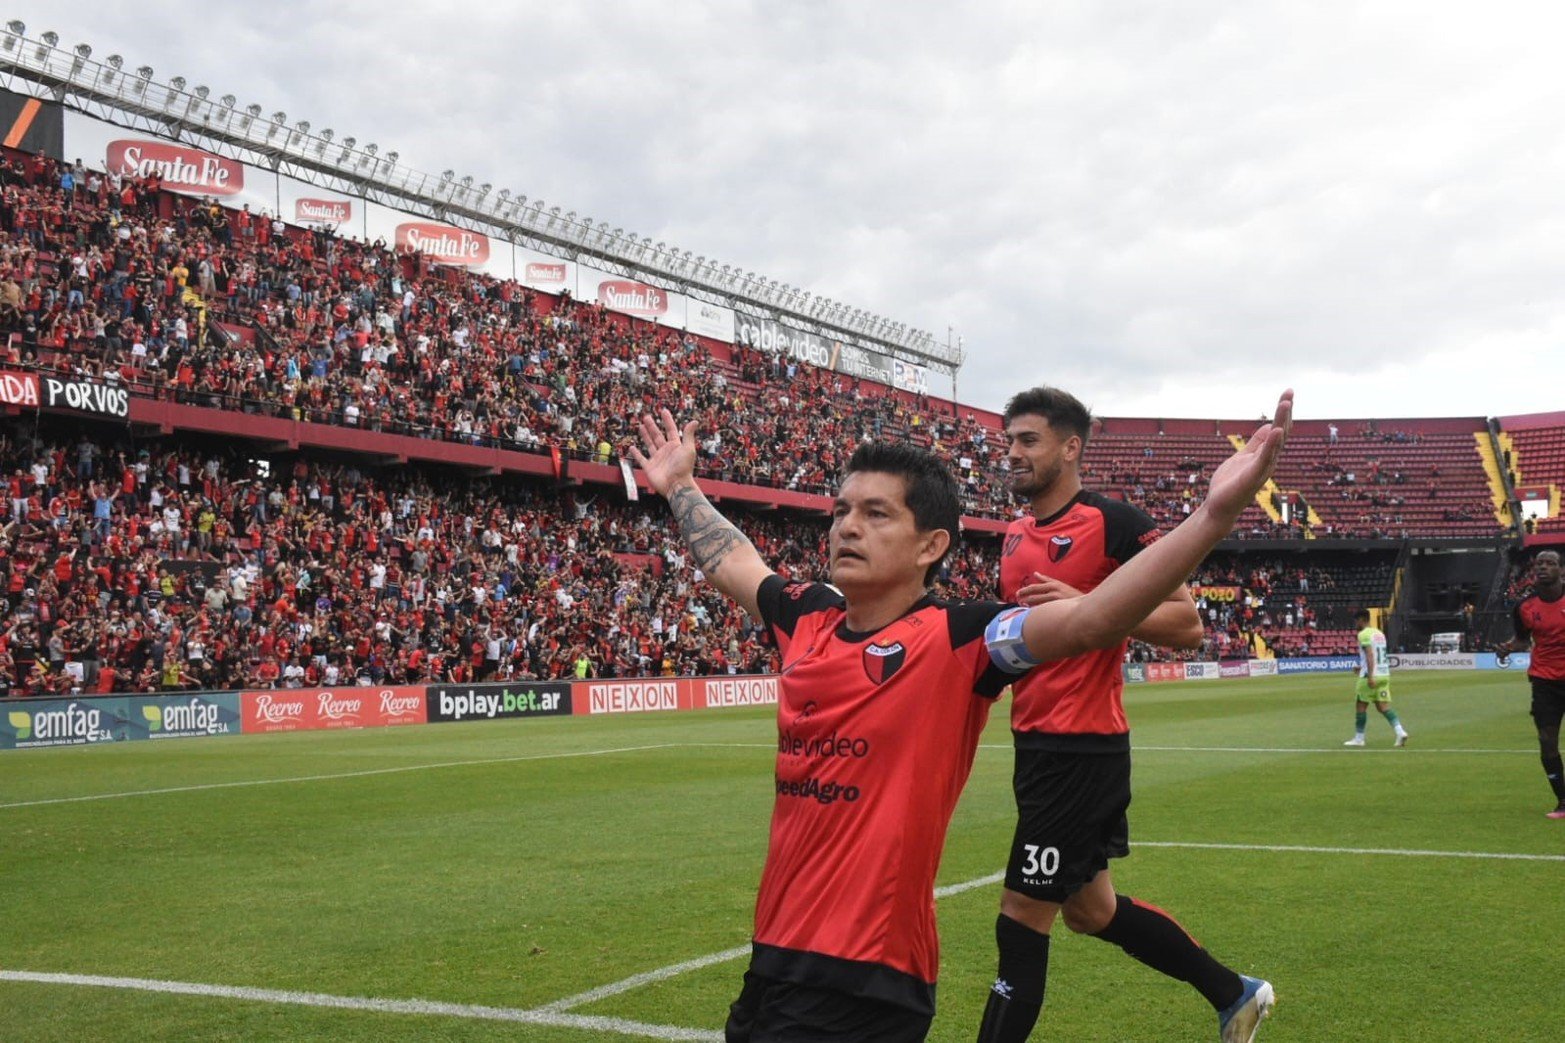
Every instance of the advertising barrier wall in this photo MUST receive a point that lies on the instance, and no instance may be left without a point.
(29, 722)
(63, 722)
(493, 702)
(182, 716)
(307, 709)
(1318, 665)
(1518, 662)
(1455, 661)
(1202, 671)
(634, 696)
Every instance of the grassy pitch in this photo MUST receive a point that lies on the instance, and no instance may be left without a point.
(590, 878)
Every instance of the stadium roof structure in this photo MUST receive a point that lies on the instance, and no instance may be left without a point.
(108, 91)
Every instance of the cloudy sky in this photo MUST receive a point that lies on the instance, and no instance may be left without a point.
(1170, 209)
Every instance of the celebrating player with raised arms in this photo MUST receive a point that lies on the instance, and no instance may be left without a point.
(883, 693)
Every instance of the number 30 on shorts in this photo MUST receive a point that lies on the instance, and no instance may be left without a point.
(1044, 861)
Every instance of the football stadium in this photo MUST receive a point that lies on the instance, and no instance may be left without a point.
(333, 472)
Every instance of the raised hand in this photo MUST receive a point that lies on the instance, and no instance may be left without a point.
(670, 457)
(1241, 476)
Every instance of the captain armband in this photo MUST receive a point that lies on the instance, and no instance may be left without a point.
(1003, 637)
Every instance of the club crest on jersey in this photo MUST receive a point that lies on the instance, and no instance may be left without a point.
(1011, 543)
(1059, 546)
(882, 661)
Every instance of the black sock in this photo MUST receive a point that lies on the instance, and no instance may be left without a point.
(1555, 770)
(1156, 939)
(1017, 996)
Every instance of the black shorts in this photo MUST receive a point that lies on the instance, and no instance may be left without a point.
(1548, 702)
(772, 1011)
(1070, 820)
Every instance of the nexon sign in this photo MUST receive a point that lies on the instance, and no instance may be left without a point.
(738, 691)
(632, 696)
(442, 243)
(187, 170)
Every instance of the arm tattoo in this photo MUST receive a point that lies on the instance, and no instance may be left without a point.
(711, 536)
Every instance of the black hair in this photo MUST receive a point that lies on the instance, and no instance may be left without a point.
(1362, 613)
(1061, 409)
(929, 490)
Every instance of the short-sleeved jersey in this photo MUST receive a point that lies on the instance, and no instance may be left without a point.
(1371, 639)
(1544, 622)
(1081, 544)
(875, 738)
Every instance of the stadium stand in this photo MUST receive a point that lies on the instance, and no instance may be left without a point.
(1536, 461)
(248, 331)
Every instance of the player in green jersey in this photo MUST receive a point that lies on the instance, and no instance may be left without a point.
(1374, 681)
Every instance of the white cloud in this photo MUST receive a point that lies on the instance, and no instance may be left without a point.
(1169, 209)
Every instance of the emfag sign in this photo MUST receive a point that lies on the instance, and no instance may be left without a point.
(183, 169)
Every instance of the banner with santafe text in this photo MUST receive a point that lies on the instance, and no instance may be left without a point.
(184, 168)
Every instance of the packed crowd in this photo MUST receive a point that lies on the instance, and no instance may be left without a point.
(184, 566)
(351, 333)
(120, 282)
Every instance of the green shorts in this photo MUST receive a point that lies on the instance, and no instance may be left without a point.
(1378, 691)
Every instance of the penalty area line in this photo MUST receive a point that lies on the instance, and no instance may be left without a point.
(425, 1008)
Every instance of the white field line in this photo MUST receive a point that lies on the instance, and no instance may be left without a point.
(663, 973)
(619, 1026)
(1394, 851)
(336, 775)
(327, 777)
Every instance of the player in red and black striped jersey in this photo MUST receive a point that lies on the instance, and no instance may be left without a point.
(1540, 622)
(1072, 774)
(882, 695)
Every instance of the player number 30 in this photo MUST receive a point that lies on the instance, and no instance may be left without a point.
(1041, 860)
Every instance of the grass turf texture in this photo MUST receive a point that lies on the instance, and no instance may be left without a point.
(527, 866)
